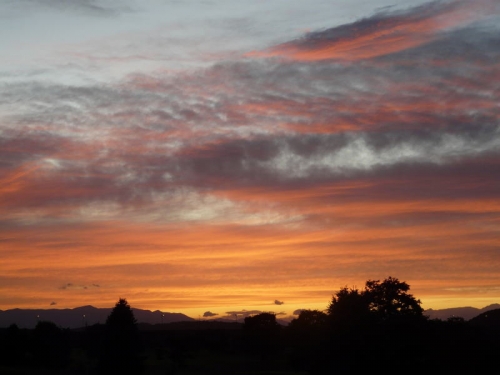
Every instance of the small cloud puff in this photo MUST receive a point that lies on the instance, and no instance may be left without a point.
(66, 286)
(208, 314)
(73, 286)
(242, 313)
(246, 313)
(298, 311)
(53, 303)
(276, 302)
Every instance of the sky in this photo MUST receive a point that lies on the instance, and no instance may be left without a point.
(228, 157)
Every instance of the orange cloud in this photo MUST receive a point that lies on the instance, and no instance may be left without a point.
(191, 267)
(14, 180)
(381, 35)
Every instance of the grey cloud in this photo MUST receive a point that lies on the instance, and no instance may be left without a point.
(298, 311)
(165, 139)
(89, 7)
(305, 159)
(53, 303)
(209, 314)
(462, 47)
(290, 86)
(326, 156)
(359, 153)
(276, 302)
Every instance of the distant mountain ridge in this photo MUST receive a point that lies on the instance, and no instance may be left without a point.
(465, 312)
(81, 316)
(89, 315)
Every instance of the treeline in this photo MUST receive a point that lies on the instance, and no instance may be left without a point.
(380, 328)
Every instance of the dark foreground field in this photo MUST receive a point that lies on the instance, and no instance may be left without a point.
(229, 348)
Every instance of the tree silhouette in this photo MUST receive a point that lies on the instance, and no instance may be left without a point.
(122, 347)
(121, 317)
(379, 300)
(349, 305)
(309, 320)
(383, 312)
(264, 322)
(390, 298)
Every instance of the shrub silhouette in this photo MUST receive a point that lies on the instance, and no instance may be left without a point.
(262, 334)
(309, 320)
(13, 346)
(307, 338)
(50, 345)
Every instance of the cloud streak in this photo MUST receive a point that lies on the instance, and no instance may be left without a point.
(384, 33)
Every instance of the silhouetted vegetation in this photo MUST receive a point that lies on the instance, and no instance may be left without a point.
(14, 346)
(262, 335)
(50, 345)
(120, 353)
(380, 328)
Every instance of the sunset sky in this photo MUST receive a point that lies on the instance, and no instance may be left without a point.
(229, 155)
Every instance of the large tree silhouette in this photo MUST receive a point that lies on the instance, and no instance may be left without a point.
(384, 300)
(382, 323)
(390, 298)
(121, 317)
(122, 347)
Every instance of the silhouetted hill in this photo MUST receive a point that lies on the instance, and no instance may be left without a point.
(81, 316)
(488, 319)
(191, 325)
(283, 322)
(465, 312)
